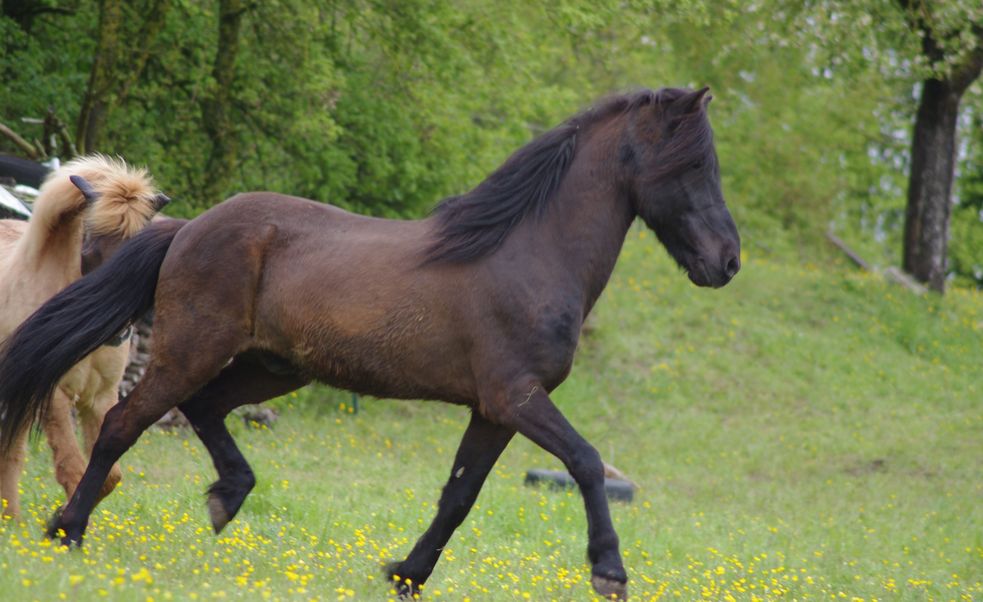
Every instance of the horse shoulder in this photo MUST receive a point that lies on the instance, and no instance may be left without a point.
(540, 339)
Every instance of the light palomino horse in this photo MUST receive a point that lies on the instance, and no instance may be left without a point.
(41, 257)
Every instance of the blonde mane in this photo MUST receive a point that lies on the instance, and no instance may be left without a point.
(126, 201)
(127, 195)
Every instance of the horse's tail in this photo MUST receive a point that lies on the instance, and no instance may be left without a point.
(75, 322)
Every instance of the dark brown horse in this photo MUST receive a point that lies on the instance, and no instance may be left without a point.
(480, 304)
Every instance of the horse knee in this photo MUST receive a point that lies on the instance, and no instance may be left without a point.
(114, 477)
(69, 469)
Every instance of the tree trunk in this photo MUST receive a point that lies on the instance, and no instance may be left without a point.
(102, 77)
(119, 62)
(933, 161)
(933, 143)
(216, 106)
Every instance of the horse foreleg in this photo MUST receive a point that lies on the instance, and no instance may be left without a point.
(529, 410)
(91, 417)
(59, 429)
(242, 382)
(158, 391)
(482, 444)
(11, 466)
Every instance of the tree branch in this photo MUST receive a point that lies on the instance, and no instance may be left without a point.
(963, 73)
(967, 71)
(56, 126)
(915, 17)
(25, 147)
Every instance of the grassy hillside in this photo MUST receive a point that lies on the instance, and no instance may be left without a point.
(805, 433)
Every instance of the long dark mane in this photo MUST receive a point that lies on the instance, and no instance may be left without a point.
(475, 224)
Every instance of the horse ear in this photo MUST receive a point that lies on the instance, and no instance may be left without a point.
(90, 194)
(698, 99)
(160, 201)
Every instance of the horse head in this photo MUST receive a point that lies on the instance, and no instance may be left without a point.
(674, 184)
(121, 203)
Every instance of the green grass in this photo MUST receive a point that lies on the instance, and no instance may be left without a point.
(804, 433)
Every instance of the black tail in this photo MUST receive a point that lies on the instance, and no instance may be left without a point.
(75, 322)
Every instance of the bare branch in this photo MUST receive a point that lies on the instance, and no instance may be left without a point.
(850, 253)
(966, 72)
(25, 147)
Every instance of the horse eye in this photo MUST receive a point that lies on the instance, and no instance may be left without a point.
(697, 165)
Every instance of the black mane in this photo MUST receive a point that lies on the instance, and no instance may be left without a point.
(475, 224)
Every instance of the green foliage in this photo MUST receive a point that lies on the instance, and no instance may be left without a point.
(47, 68)
(386, 106)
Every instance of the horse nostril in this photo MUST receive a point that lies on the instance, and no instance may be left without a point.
(732, 266)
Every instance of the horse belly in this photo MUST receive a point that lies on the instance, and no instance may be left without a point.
(378, 376)
(404, 355)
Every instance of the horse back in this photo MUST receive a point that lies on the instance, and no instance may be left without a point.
(343, 298)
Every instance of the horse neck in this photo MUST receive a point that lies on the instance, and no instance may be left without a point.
(97, 248)
(590, 216)
(53, 246)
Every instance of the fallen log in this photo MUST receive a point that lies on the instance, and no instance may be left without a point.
(890, 273)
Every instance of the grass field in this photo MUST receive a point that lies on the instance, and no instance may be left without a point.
(804, 433)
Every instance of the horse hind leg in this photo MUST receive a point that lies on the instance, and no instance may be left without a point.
(91, 417)
(248, 379)
(11, 467)
(175, 373)
(193, 342)
(59, 430)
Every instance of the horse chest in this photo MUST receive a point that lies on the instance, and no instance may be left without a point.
(96, 374)
(539, 343)
(557, 337)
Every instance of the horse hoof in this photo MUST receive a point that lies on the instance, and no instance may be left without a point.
(225, 498)
(391, 569)
(54, 524)
(217, 512)
(56, 530)
(609, 589)
(405, 588)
